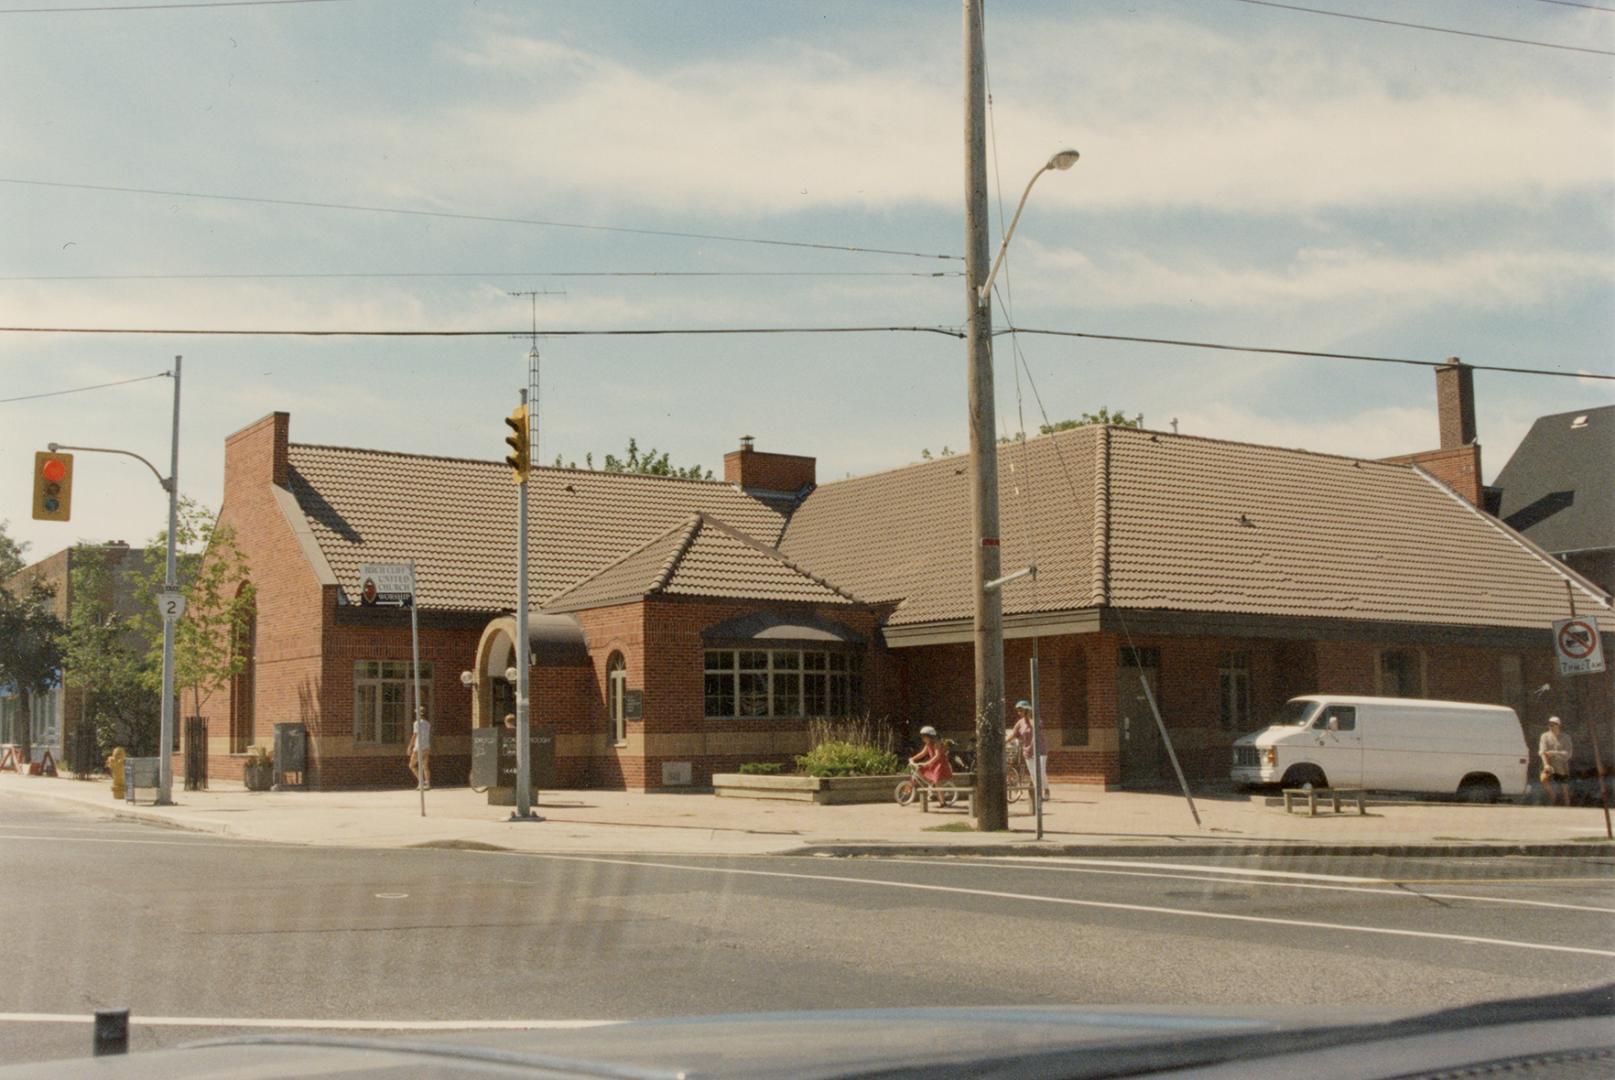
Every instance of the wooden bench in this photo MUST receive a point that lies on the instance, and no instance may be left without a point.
(1334, 795)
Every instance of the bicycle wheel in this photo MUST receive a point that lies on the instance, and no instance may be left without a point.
(1014, 782)
(949, 797)
(904, 792)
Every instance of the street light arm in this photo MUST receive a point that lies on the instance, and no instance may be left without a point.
(166, 483)
(986, 291)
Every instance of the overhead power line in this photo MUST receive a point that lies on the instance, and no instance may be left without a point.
(1574, 4)
(161, 7)
(488, 274)
(82, 389)
(1310, 353)
(1425, 26)
(736, 331)
(488, 218)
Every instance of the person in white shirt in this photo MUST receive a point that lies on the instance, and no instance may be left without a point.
(420, 752)
(1554, 750)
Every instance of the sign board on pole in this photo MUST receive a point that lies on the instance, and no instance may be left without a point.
(1576, 643)
(386, 584)
(171, 605)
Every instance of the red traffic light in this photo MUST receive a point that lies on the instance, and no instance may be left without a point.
(54, 470)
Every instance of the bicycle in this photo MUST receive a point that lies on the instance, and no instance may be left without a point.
(914, 785)
(1017, 779)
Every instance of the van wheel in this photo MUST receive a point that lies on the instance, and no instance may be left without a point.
(1480, 789)
(1305, 776)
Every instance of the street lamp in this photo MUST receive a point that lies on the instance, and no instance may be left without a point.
(1061, 160)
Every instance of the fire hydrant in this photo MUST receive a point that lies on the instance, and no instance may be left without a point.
(115, 767)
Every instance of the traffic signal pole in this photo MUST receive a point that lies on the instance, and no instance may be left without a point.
(165, 755)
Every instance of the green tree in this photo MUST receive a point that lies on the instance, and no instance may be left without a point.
(30, 646)
(219, 603)
(645, 462)
(11, 553)
(108, 661)
(1103, 416)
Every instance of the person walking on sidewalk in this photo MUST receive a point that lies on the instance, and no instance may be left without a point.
(1022, 732)
(420, 752)
(1554, 750)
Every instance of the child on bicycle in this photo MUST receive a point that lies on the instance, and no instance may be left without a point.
(932, 760)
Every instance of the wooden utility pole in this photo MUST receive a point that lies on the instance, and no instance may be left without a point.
(988, 802)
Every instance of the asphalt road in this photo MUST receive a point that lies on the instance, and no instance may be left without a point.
(195, 932)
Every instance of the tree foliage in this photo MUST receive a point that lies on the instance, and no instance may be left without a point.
(11, 553)
(30, 646)
(108, 660)
(214, 576)
(645, 462)
(1104, 416)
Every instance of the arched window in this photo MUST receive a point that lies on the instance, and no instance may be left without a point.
(617, 697)
(244, 650)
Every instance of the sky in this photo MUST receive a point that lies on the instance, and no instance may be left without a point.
(1249, 174)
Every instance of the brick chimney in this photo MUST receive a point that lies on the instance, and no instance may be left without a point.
(754, 470)
(1457, 462)
(1455, 403)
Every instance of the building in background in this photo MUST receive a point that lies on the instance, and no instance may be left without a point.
(1558, 490)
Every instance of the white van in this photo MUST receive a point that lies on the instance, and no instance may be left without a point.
(1391, 744)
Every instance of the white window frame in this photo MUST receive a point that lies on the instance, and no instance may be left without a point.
(842, 674)
(1234, 691)
(616, 697)
(374, 676)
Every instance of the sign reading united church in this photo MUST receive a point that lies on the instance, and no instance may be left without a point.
(386, 584)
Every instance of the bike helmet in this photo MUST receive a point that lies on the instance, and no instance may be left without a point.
(928, 730)
(1023, 704)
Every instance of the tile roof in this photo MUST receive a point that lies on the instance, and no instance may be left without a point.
(1149, 520)
(1557, 487)
(1112, 516)
(456, 518)
(701, 556)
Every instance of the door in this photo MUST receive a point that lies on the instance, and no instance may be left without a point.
(1140, 738)
(1338, 748)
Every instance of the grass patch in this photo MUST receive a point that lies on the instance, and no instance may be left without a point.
(952, 826)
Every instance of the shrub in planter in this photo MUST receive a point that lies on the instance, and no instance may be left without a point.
(847, 759)
(258, 771)
(761, 768)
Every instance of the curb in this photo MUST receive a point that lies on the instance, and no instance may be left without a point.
(121, 811)
(1590, 849)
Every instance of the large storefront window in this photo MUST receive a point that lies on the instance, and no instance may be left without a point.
(382, 693)
(783, 682)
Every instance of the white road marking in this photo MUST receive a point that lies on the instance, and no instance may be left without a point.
(200, 840)
(136, 1020)
(994, 862)
(1064, 901)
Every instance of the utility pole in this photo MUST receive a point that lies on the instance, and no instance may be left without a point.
(988, 802)
(165, 756)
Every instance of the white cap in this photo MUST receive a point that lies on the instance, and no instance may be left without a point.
(1553, 720)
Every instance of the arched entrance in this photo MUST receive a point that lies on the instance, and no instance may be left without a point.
(556, 641)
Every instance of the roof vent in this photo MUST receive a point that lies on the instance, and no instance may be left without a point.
(746, 441)
(1579, 422)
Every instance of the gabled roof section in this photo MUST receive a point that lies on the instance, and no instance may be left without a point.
(905, 535)
(457, 519)
(700, 557)
(1558, 488)
(1135, 519)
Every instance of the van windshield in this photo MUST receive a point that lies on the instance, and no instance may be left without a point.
(1296, 713)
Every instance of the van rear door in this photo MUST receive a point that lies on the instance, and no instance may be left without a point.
(1339, 749)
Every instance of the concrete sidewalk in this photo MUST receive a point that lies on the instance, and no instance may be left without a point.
(1077, 821)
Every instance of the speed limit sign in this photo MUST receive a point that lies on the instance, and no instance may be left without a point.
(1577, 645)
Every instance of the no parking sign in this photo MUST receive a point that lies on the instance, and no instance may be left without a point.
(1576, 643)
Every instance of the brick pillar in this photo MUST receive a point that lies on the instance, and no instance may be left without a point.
(1455, 403)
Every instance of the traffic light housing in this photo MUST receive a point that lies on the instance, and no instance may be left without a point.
(53, 486)
(520, 458)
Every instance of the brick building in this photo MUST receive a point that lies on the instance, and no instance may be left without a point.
(684, 627)
(44, 720)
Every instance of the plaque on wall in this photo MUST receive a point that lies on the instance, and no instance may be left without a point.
(633, 704)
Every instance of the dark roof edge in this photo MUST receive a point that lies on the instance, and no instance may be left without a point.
(1525, 543)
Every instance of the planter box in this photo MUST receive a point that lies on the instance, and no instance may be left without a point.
(824, 790)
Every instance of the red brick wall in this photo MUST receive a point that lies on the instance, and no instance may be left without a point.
(1457, 467)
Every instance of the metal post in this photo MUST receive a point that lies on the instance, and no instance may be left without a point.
(989, 804)
(524, 764)
(1037, 747)
(1592, 732)
(423, 753)
(165, 731)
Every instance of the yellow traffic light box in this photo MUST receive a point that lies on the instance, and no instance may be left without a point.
(520, 458)
(53, 486)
